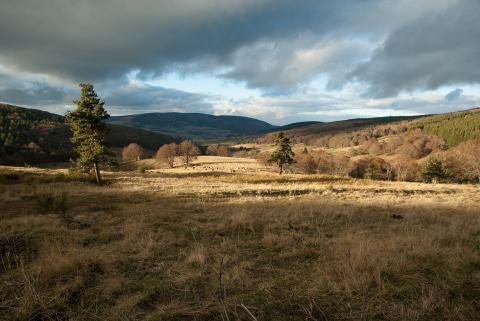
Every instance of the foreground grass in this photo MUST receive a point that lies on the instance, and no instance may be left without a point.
(185, 247)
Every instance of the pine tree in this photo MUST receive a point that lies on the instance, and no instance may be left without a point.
(88, 130)
(283, 154)
(434, 170)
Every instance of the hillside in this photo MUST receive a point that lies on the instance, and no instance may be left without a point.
(343, 125)
(297, 125)
(315, 134)
(196, 126)
(32, 136)
(453, 128)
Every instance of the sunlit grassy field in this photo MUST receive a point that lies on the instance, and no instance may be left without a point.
(228, 240)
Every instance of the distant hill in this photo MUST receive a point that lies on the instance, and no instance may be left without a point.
(316, 130)
(453, 128)
(196, 126)
(35, 136)
(296, 125)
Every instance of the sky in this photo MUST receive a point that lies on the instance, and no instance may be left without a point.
(280, 61)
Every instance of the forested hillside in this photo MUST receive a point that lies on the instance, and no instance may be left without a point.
(35, 136)
(17, 122)
(453, 128)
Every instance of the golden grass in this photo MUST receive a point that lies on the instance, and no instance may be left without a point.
(179, 245)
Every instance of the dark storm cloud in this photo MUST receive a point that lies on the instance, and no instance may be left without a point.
(121, 96)
(433, 51)
(142, 98)
(277, 46)
(94, 40)
(32, 93)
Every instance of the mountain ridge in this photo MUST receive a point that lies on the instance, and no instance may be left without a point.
(195, 126)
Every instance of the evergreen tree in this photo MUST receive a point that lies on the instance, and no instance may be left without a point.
(283, 154)
(88, 130)
(434, 170)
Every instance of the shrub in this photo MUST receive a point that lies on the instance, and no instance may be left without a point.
(324, 161)
(433, 170)
(463, 162)
(306, 163)
(370, 168)
(51, 202)
(263, 158)
(405, 169)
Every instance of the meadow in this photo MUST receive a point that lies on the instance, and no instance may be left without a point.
(227, 239)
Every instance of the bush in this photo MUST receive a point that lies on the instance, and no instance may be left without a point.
(371, 168)
(405, 170)
(463, 162)
(51, 202)
(263, 158)
(306, 163)
(433, 170)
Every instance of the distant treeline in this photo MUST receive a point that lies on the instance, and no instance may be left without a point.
(453, 128)
(17, 122)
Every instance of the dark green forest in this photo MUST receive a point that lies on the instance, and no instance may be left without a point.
(17, 123)
(453, 128)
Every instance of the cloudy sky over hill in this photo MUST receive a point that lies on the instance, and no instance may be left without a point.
(277, 60)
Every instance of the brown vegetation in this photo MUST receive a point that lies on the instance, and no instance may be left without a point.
(464, 161)
(188, 151)
(167, 154)
(223, 246)
(133, 152)
(217, 150)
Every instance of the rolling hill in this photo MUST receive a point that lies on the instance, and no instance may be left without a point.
(35, 136)
(196, 126)
(310, 131)
(453, 128)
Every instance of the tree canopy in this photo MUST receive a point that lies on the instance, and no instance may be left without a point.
(88, 130)
(283, 155)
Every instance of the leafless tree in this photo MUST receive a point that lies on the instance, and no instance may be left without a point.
(133, 152)
(188, 151)
(464, 161)
(167, 153)
(217, 150)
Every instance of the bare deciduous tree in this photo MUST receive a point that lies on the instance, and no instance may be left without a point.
(464, 161)
(188, 151)
(167, 153)
(217, 150)
(133, 152)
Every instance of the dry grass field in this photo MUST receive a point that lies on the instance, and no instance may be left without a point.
(228, 240)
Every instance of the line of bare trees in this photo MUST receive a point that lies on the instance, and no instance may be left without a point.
(187, 151)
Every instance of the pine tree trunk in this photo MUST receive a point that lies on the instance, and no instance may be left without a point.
(97, 173)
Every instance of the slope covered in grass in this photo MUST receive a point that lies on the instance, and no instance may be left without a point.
(205, 246)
